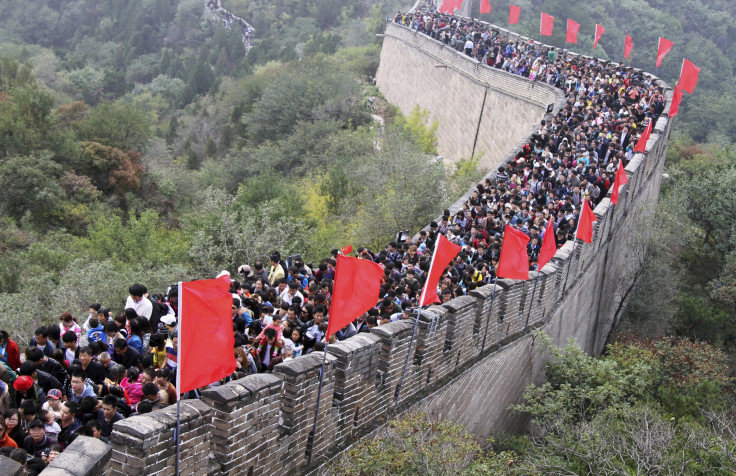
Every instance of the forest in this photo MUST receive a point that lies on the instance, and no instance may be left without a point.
(141, 144)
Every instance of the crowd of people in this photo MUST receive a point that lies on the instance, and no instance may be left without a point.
(228, 19)
(79, 379)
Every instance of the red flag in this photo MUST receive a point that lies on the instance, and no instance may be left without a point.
(688, 76)
(572, 31)
(599, 30)
(205, 333)
(620, 179)
(549, 246)
(346, 250)
(641, 145)
(444, 251)
(356, 289)
(676, 98)
(514, 14)
(546, 25)
(585, 223)
(628, 46)
(665, 46)
(448, 6)
(485, 6)
(514, 260)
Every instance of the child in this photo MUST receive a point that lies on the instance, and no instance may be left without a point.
(132, 388)
(52, 428)
(53, 403)
(275, 325)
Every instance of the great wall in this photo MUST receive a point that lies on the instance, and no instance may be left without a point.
(261, 424)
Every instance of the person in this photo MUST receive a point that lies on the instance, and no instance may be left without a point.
(47, 364)
(158, 350)
(92, 370)
(138, 301)
(169, 320)
(71, 345)
(9, 353)
(44, 381)
(53, 403)
(269, 351)
(277, 271)
(96, 332)
(36, 441)
(163, 382)
(245, 363)
(69, 324)
(159, 398)
(95, 428)
(26, 391)
(41, 340)
(94, 308)
(131, 385)
(108, 415)
(80, 388)
(171, 354)
(69, 423)
(13, 426)
(49, 419)
(124, 355)
(5, 439)
(107, 363)
(52, 452)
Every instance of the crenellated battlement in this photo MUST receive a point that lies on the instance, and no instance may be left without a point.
(262, 424)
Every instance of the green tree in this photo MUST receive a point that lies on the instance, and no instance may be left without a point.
(118, 125)
(30, 186)
(415, 444)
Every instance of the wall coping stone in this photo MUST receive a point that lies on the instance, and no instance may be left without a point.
(459, 304)
(85, 456)
(10, 467)
(393, 329)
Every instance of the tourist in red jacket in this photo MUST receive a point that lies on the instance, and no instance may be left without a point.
(9, 352)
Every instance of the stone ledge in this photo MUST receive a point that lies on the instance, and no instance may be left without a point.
(86, 456)
(9, 467)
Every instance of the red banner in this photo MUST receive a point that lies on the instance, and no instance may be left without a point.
(572, 31)
(549, 246)
(356, 289)
(206, 338)
(676, 98)
(621, 179)
(599, 30)
(641, 144)
(514, 12)
(444, 252)
(546, 25)
(585, 223)
(485, 6)
(628, 46)
(688, 76)
(514, 260)
(665, 46)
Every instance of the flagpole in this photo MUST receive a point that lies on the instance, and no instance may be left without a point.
(406, 362)
(416, 324)
(490, 313)
(574, 242)
(178, 381)
(319, 397)
(531, 306)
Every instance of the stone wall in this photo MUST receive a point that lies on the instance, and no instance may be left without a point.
(479, 109)
(471, 359)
